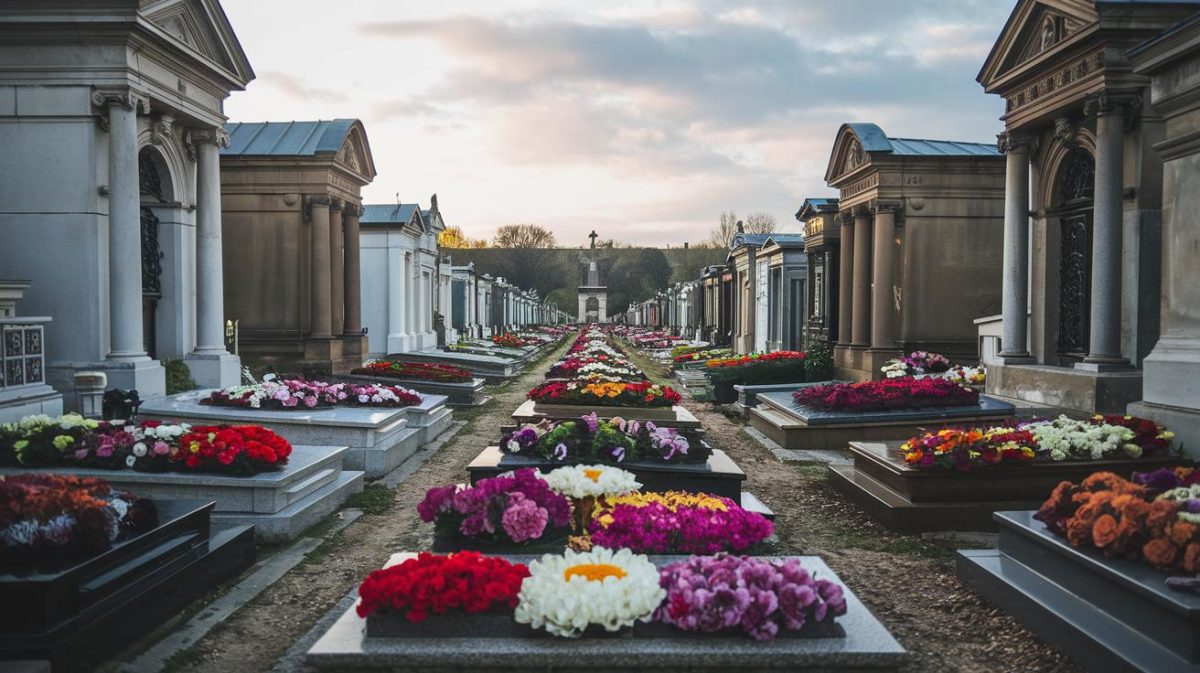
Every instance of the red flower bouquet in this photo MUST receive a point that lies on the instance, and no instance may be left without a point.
(238, 449)
(886, 395)
(644, 394)
(423, 371)
(433, 584)
(511, 341)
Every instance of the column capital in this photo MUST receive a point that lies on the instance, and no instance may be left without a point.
(212, 136)
(335, 204)
(846, 217)
(1112, 102)
(311, 201)
(319, 200)
(123, 96)
(861, 212)
(1011, 142)
(350, 209)
(894, 206)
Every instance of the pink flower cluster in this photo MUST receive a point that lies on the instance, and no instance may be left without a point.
(515, 508)
(653, 528)
(720, 593)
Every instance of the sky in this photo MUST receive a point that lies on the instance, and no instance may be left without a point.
(642, 120)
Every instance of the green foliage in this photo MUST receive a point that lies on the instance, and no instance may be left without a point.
(179, 377)
(374, 499)
(818, 362)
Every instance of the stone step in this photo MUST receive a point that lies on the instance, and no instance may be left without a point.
(291, 521)
(1093, 637)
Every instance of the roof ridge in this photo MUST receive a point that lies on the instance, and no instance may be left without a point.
(936, 140)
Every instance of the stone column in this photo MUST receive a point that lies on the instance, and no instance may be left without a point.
(412, 296)
(321, 326)
(1104, 344)
(353, 283)
(883, 271)
(845, 279)
(395, 292)
(1014, 348)
(337, 270)
(860, 328)
(210, 291)
(126, 336)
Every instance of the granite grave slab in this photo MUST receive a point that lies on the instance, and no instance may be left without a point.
(492, 369)
(1108, 614)
(465, 394)
(862, 644)
(378, 439)
(669, 417)
(747, 395)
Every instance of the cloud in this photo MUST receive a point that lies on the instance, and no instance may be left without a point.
(297, 88)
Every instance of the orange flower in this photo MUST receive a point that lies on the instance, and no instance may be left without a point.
(1104, 531)
(1078, 532)
(1191, 559)
(1160, 553)
(1182, 532)
(1161, 513)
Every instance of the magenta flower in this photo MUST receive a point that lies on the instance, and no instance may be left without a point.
(524, 520)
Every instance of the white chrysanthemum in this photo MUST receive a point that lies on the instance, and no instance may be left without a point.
(566, 594)
(582, 481)
(1066, 438)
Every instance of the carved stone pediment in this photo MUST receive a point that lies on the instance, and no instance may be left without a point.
(201, 26)
(355, 155)
(1035, 28)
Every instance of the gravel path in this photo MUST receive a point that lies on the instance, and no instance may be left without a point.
(907, 581)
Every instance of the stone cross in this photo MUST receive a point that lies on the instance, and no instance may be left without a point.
(593, 236)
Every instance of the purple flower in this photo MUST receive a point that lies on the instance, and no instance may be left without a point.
(524, 520)
(560, 451)
(592, 421)
(1160, 480)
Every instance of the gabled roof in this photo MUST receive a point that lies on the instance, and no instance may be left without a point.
(377, 214)
(857, 143)
(291, 139)
(811, 207)
(202, 29)
(755, 240)
(1021, 39)
(785, 240)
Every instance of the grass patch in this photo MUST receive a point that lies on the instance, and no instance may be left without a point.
(374, 499)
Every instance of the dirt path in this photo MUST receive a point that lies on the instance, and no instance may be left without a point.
(256, 636)
(908, 582)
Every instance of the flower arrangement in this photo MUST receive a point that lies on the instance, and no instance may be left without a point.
(713, 594)
(603, 588)
(591, 481)
(677, 523)
(702, 355)
(1099, 437)
(149, 446)
(516, 509)
(300, 394)
(509, 340)
(887, 394)
(758, 368)
(643, 394)
(590, 438)
(49, 516)
(1151, 518)
(688, 349)
(917, 362)
(967, 376)
(465, 582)
(424, 371)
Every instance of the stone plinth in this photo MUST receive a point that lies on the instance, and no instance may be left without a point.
(430, 418)
(905, 498)
(1108, 392)
(378, 438)
(280, 505)
(670, 417)
(794, 427)
(865, 646)
(465, 394)
(1107, 614)
(78, 613)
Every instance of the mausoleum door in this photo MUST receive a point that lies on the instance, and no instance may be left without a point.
(1073, 210)
(150, 184)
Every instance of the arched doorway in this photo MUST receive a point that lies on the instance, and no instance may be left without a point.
(592, 308)
(150, 178)
(1073, 208)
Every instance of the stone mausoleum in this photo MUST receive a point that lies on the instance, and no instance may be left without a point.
(292, 203)
(921, 223)
(111, 118)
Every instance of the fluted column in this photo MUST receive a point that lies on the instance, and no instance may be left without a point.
(337, 270)
(321, 327)
(883, 271)
(1104, 343)
(845, 278)
(860, 328)
(1014, 346)
(126, 336)
(353, 282)
(210, 297)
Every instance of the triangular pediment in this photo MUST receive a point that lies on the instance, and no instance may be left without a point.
(201, 27)
(1035, 28)
(355, 154)
(852, 149)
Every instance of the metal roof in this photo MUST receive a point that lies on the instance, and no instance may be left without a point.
(388, 214)
(286, 139)
(813, 206)
(873, 139)
(785, 240)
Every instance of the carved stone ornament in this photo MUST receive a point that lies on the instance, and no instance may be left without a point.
(335, 204)
(1064, 131)
(895, 206)
(217, 136)
(162, 129)
(846, 218)
(1107, 102)
(123, 96)
(316, 200)
(1013, 142)
(855, 156)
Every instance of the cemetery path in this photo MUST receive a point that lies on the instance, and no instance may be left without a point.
(257, 636)
(907, 581)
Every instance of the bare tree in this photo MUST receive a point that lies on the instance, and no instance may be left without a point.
(523, 236)
(724, 231)
(760, 223)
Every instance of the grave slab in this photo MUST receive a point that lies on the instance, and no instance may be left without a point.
(1108, 614)
(493, 369)
(80, 612)
(466, 394)
(430, 418)
(669, 417)
(863, 644)
(794, 427)
(280, 505)
(378, 439)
